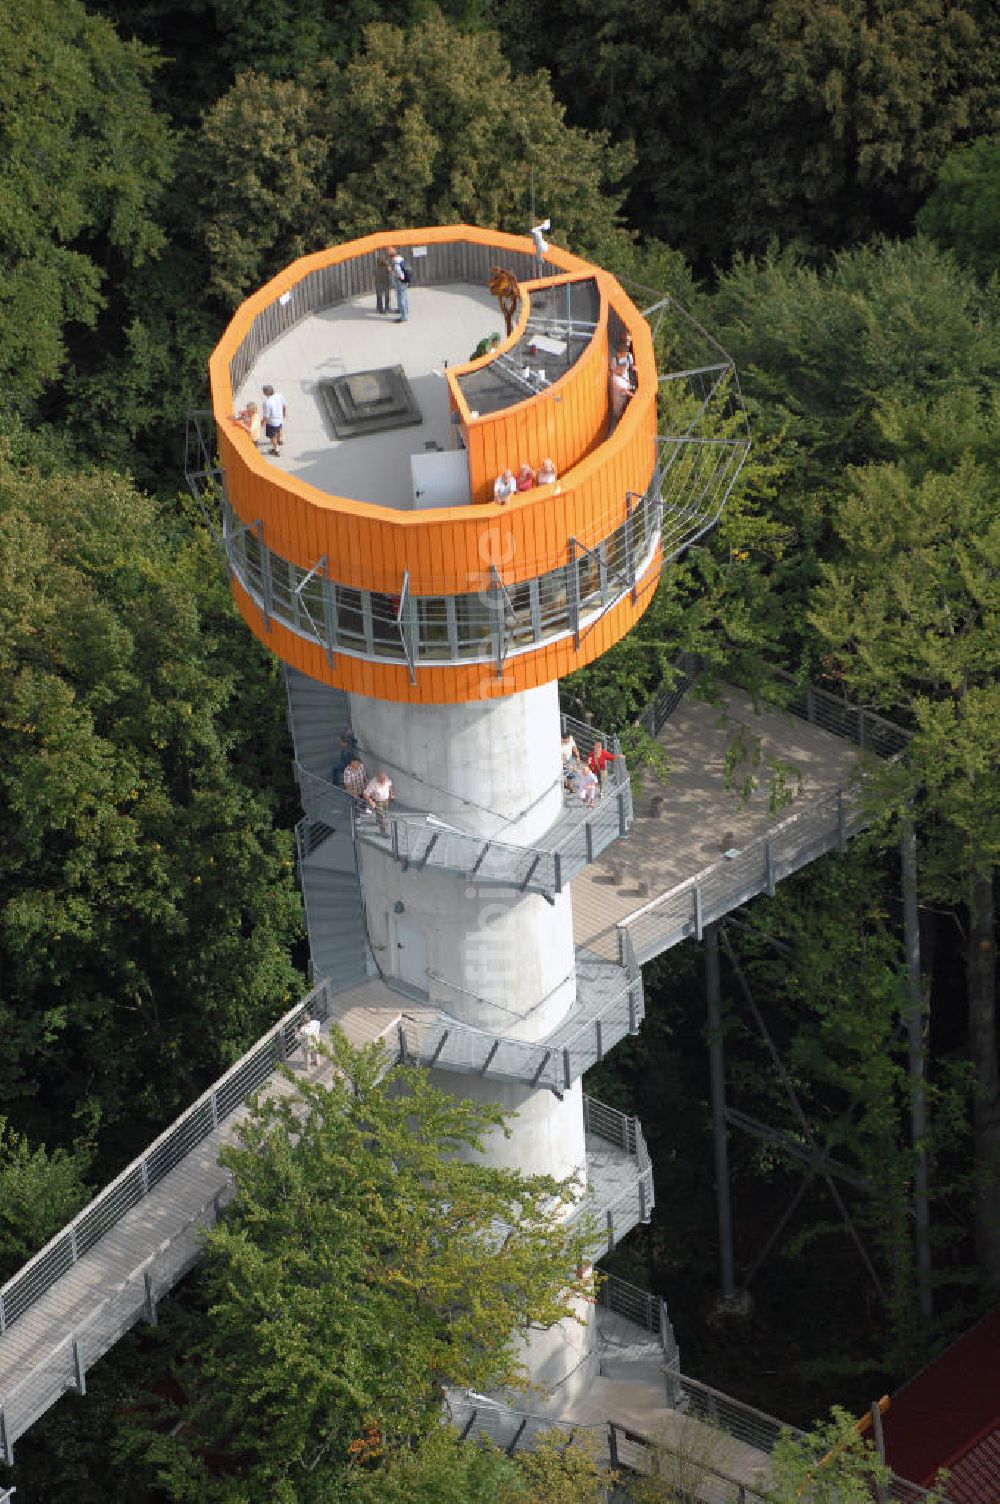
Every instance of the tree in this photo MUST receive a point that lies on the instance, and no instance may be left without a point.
(963, 212)
(39, 1193)
(767, 120)
(910, 612)
(83, 157)
(420, 127)
(559, 1469)
(365, 1263)
(147, 902)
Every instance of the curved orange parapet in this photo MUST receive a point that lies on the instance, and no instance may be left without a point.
(445, 553)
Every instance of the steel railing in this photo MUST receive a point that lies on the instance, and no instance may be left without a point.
(643, 1309)
(614, 1213)
(555, 1061)
(824, 824)
(427, 842)
(144, 1174)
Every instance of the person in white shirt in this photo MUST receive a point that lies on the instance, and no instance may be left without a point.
(504, 487)
(309, 1031)
(275, 410)
(378, 792)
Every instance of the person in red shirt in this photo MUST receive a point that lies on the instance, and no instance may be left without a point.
(599, 761)
(525, 478)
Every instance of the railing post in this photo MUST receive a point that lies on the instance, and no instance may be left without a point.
(588, 835)
(841, 822)
(567, 1077)
(147, 1280)
(214, 1099)
(622, 820)
(557, 871)
(3, 1318)
(144, 1167)
(810, 705)
(611, 1230)
(72, 1243)
(861, 729)
(613, 1443)
(642, 1200)
(80, 1371)
(769, 867)
(395, 840)
(699, 925)
(6, 1450)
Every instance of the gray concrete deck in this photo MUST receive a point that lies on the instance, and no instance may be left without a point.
(700, 818)
(444, 327)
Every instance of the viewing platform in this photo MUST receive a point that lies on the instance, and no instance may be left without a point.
(371, 554)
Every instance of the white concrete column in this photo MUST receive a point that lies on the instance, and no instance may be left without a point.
(493, 958)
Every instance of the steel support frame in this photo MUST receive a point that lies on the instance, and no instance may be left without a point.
(723, 1118)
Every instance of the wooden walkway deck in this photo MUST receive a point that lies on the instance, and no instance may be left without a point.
(700, 818)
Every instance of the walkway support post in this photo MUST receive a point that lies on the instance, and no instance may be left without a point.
(717, 1075)
(918, 1084)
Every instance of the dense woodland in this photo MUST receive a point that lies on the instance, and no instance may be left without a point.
(820, 185)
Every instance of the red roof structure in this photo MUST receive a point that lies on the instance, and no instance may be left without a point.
(948, 1416)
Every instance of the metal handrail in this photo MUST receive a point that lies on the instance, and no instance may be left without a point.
(823, 824)
(425, 840)
(146, 1172)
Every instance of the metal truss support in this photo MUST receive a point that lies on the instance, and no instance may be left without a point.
(915, 1022)
(717, 1073)
(817, 1159)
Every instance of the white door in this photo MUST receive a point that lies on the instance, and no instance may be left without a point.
(410, 946)
(440, 478)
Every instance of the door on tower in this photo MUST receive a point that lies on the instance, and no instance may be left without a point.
(409, 946)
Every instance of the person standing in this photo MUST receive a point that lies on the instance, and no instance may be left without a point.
(275, 410)
(401, 275)
(377, 796)
(383, 281)
(355, 778)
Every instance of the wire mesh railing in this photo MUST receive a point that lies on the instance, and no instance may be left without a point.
(427, 842)
(824, 824)
(144, 1174)
(608, 1005)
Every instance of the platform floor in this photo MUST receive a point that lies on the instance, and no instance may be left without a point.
(444, 327)
(700, 818)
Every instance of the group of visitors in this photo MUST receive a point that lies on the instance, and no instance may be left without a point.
(351, 774)
(585, 778)
(270, 416)
(507, 484)
(392, 275)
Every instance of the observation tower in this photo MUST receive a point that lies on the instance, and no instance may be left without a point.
(432, 624)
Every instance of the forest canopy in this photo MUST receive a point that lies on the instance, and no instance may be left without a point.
(820, 184)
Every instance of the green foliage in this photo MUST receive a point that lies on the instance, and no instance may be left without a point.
(963, 212)
(558, 1470)
(367, 1261)
(146, 900)
(82, 160)
(767, 120)
(39, 1193)
(421, 127)
(832, 1464)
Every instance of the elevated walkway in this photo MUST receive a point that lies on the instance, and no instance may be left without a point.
(696, 851)
(112, 1264)
(697, 848)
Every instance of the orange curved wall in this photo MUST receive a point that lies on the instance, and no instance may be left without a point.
(563, 421)
(450, 551)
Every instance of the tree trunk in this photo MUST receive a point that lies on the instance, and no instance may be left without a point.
(982, 976)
